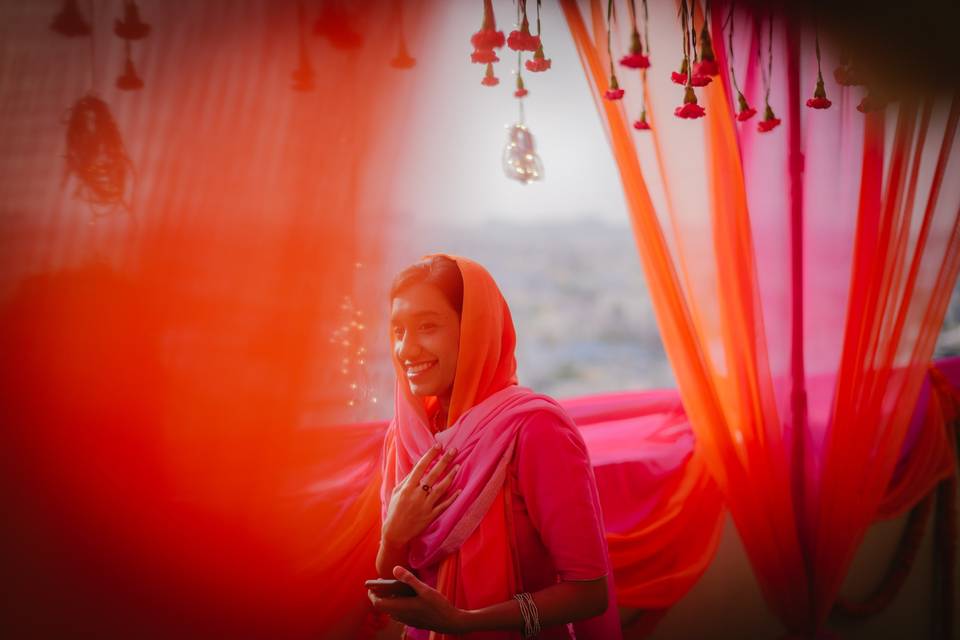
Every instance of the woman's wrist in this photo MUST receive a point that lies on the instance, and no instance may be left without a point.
(464, 621)
(392, 542)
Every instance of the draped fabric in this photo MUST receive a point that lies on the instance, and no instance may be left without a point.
(799, 279)
(165, 371)
(165, 368)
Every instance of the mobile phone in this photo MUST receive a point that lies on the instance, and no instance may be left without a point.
(390, 588)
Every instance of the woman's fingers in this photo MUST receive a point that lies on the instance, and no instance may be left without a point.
(432, 476)
(441, 507)
(421, 467)
(440, 489)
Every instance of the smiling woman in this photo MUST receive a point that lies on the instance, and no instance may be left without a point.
(427, 298)
(489, 503)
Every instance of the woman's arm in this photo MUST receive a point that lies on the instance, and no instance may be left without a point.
(415, 503)
(557, 604)
(390, 555)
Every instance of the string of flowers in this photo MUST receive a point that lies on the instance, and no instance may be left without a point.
(540, 62)
(745, 110)
(522, 39)
(770, 121)
(129, 29)
(684, 76)
(614, 92)
(403, 59)
(819, 99)
(521, 90)
(641, 124)
(484, 42)
(689, 109)
(635, 59)
(708, 60)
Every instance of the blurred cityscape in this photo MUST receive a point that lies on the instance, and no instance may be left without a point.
(583, 318)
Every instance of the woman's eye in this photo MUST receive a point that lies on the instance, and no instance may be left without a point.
(427, 326)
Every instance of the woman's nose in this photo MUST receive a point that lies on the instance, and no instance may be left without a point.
(407, 346)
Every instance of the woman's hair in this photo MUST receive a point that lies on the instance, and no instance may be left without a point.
(439, 271)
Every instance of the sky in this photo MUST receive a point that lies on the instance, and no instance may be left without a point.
(460, 130)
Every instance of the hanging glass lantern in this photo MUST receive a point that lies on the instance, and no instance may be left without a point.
(520, 159)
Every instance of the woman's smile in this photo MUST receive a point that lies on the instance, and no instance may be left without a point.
(426, 340)
(418, 370)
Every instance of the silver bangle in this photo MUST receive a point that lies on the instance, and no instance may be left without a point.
(531, 617)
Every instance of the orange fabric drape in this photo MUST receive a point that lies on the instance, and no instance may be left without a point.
(800, 506)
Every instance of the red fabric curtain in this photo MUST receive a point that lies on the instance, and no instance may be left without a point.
(798, 302)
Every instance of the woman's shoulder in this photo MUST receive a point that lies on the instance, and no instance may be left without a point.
(547, 428)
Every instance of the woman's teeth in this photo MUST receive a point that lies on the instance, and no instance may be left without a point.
(419, 368)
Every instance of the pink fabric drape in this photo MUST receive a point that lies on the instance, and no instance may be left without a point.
(811, 284)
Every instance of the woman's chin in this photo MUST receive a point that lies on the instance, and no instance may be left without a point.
(422, 390)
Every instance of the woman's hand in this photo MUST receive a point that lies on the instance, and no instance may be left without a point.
(419, 498)
(427, 610)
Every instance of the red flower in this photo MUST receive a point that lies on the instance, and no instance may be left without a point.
(642, 124)
(769, 121)
(871, 103)
(746, 114)
(489, 80)
(680, 77)
(708, 61)
(521, 90)
(483, 56)
(129, 81)
(705, 68)
(819, 99)
(697, 80)
(403, 59)
(845, 76)
(522, 40)
(614, 92)
(539, 62)
(689, 109)
(635, 61)
(131, 27)
(487, 39)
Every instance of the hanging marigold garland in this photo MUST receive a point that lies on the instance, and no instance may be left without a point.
(819, 99)
(639, 58)
(707, 66)
(540, 62)
(690, 109)
(403, 59)
(770, 120)
(131, 28)
(744, 110)
(613, 92)
(484, 42)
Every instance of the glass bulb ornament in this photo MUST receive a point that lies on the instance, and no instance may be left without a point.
(520, 159)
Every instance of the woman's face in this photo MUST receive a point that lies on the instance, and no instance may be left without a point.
(426, 339)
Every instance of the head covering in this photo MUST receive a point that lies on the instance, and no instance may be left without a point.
(486, 363)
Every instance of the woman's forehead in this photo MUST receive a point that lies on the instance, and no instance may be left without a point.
(419, 300)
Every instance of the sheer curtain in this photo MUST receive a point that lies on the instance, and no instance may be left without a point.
(799, 277)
